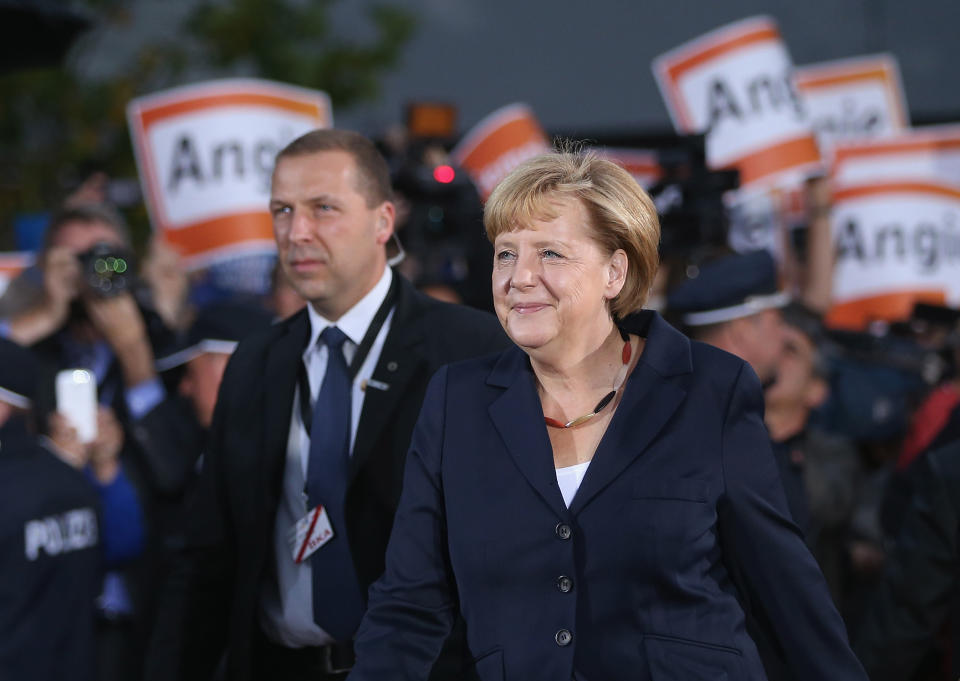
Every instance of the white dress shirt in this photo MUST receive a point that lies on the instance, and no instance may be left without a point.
(286, 598)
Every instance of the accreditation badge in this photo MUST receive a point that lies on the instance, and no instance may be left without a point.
(310, 533)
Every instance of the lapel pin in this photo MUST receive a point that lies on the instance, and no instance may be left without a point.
(376, 385)
(391, 366)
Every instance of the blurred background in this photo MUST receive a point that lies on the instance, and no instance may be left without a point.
(861, 388)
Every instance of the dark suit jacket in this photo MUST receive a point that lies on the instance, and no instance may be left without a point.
(633, 581)
(919, 592)
(211, 602)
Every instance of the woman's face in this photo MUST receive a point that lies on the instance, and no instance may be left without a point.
(552, 281)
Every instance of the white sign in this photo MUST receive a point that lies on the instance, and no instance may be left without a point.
(735, 85)
(851, 99)
(925, 154)
(896, 244)
(206, 154)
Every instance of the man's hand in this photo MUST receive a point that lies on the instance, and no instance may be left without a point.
(169, 284)
(61, 284)
(119, 321)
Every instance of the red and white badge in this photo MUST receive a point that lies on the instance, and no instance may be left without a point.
(310, 533)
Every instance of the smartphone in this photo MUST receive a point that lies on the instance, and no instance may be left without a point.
(77, 400)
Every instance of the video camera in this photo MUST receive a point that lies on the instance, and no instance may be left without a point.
(107, 269)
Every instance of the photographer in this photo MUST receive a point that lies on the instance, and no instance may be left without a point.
(89, 318)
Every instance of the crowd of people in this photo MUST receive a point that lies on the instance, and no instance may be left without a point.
(231, 517)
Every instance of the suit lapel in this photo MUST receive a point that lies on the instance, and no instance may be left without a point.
(280, 378)
(518, 418)
(398, 364)
(654, 392)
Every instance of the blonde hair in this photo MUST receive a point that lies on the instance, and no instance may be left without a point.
(622, 215)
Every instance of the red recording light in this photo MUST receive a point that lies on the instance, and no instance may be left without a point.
(444, 174)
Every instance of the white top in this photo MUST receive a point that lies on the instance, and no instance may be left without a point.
(286, 602)
(569, 479)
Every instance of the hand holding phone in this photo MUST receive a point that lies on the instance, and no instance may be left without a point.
(76, 391)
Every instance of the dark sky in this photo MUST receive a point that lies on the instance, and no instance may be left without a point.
(586, 65)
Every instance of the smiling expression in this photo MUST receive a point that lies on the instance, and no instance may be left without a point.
(552, 282)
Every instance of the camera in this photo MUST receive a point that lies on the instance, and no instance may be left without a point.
(107, 269)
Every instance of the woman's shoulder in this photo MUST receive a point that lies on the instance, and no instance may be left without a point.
(718, 368)
(482, 366)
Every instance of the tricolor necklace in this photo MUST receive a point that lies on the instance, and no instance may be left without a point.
(625, 356)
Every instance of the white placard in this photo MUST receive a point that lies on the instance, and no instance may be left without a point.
(206, 153)
(735, 85)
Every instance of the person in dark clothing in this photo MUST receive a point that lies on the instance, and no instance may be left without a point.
(172, 435)
(99, 324)
(50, 542)
(828, 464)
(313, 418)
(734, 304)
(919, 590)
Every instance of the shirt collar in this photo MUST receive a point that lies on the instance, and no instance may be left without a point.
(357, 319)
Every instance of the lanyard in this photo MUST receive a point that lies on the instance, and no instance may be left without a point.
(306, 411)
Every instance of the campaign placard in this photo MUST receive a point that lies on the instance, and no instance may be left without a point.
(642, 164)
(735, 85)
(924, 154)
(12, 264)
(498, 144)
(853, 99)
(896, 244)
(205, 154)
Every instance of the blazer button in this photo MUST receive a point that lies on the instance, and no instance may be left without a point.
(564, 584)
(563, 637)
(563, 531)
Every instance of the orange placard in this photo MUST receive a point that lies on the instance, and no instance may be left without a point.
(924, 154)
(498, 144)
(205, 154)
(896, 244)
(857, 315)
(431, 119)
(12, 264)
(735, 86)
(641, 163)
(850, 99)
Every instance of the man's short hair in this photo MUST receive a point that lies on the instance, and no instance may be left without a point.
(85, 213)
(372, 170)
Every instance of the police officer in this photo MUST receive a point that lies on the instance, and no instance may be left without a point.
(734, 303)
(50, 558)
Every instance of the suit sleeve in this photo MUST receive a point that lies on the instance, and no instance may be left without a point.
(919, 580)
(412, 607)
(766, 549)
(169, 442)
(193, 620)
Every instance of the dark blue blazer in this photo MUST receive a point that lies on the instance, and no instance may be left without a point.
(680, 520)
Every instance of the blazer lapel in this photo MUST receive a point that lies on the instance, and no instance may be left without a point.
(280, 378)
(653, 394)
(399, 362)
(518, 417)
